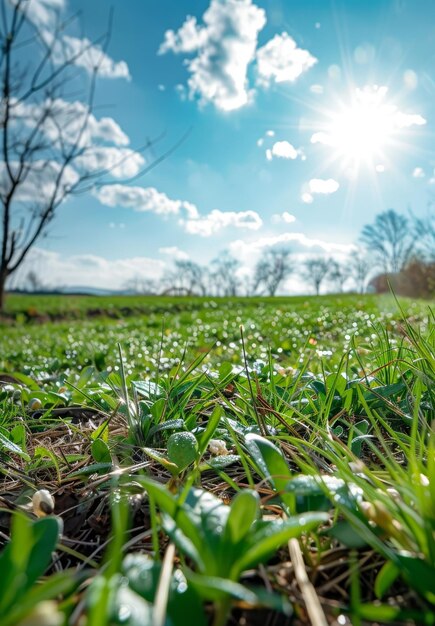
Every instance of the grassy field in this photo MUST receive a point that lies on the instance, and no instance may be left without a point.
(222, 461)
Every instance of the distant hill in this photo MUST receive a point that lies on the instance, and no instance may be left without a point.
(77, 291)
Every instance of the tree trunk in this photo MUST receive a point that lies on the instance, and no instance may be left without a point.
(3, 276)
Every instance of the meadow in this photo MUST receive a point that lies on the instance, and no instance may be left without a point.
(217, 460)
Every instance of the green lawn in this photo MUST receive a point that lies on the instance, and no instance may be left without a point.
(240, 436)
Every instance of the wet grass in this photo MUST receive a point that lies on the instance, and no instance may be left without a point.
(204, 473)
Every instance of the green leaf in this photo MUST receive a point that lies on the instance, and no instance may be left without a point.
(213, 423)
(347, 534)
(272, 535)
(419, 574)
(244, 510)
(269, 461)
(160, 457)
(102, 432)
(182, 518)
(385, 578)
(100, 451)
(26, 557)
(182, 449)
(8, 445)
(215, 588)
(175, 424)
(184, 605)
(219, 462)
(44, 453)
(61, 583)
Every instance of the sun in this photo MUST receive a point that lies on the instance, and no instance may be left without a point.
(362, 129)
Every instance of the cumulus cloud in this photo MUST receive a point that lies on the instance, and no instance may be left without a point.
(148, 199)
(285, 217)
(216, 220)
(307, 198)
(45, 181)
(119, 162)
(322, 137)
(282, 150)
(280, 61)
(87, 55)
(298, 242)
(44, 14)
(223, 48)
(405, 120)
(66, 121)
(174, 253)
(144, 199)
(89, 270)
(323, 186)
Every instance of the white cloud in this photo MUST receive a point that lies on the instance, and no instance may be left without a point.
(43, 13)
(280, 60)
(405, 120)
(39, 186)
(144, 199)
(66, 120)
(81, 52)
(175, 253)
(322, 186)
(285, 217)
(418, 172)
(148, 199)
(119, 162)
(90, 270)
(284, 150)
(307, 198)
(224, 47)
(270, 133)
(88, 56)
(189, 37)
(245, 251)
(216, 220)
(322, 137)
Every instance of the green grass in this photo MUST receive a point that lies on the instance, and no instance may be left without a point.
(314, 425)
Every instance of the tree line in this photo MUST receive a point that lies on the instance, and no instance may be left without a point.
(394, 250)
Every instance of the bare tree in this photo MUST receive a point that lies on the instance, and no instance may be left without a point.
(339, 272)
(424, 229)
(34, 281)
(50, 144)
(142, 286)
(271, 270)
(315, 271)
(360, 266)
(186, 277)
(223, 275)
(391, 240)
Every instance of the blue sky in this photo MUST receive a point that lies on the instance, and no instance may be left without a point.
(304, 119)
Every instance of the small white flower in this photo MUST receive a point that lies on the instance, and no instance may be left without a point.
(218, 447)
(43, 503)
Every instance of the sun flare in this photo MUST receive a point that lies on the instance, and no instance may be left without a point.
(363, 129)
